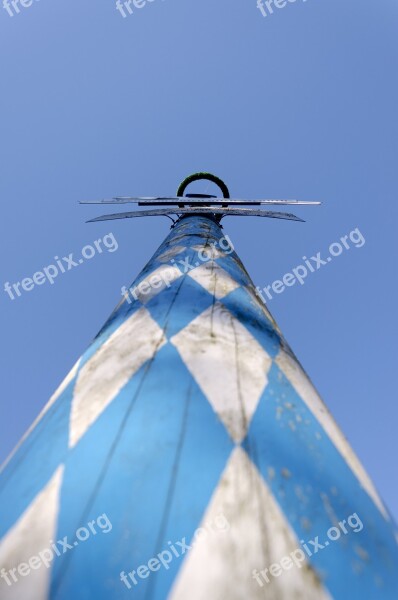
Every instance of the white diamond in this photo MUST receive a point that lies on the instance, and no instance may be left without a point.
(243, 529)
(214, 279)
(228, 364)
(112, 366)
(210, 251)
(30, 535)
(170, 253)
(155, 282)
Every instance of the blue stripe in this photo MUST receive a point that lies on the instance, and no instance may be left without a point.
(302, 471)
(157, 482)
(179, 305)
(246, 309)
(35, 462)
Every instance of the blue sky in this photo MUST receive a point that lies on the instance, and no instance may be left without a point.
(298, 104)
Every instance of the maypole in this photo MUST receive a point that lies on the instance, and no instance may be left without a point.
(187, 454)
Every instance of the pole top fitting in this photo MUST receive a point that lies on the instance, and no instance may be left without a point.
(199, 176)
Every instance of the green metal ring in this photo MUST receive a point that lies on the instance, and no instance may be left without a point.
(197, 177)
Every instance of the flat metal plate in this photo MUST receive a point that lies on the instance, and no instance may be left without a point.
(176, 201)
(241, 212)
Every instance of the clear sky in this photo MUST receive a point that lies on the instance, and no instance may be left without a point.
(301, 103)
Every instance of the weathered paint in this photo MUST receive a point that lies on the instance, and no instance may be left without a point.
(189, 405)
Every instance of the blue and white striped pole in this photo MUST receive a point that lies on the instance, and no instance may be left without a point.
(187, 455)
